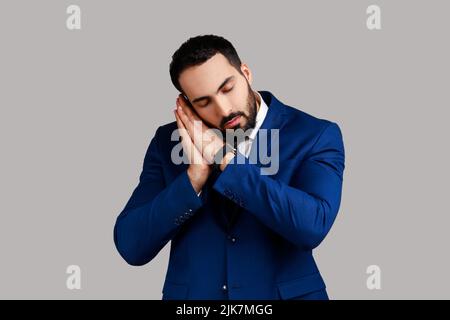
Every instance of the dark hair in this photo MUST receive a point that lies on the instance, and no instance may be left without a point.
(199, 49)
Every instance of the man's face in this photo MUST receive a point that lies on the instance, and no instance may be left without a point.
(220, 94)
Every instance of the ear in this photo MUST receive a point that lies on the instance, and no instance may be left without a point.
(247, 72)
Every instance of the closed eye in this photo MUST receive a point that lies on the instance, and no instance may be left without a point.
(228, 90)
(204, 104)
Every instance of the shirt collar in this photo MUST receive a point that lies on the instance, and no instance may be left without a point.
(260, 116)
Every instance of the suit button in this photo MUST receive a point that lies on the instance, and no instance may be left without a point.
(224, 287)
(232, 239)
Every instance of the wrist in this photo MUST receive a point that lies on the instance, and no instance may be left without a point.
(197, 177)
(226, 159)
(223, 157)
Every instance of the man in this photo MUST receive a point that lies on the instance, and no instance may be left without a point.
(235, 231)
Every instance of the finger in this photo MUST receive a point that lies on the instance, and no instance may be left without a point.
(183, 131)
(182, 113)
(185, 138)
(194, 156)
(189, 111)
(195, 129)
(187, 108)
(186, 120)
(183, 101)
(176, 118)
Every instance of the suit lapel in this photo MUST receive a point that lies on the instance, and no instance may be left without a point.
(274, 119)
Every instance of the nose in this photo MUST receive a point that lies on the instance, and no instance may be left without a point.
(223, 107)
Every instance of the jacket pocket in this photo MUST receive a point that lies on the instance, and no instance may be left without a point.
(174, 291)
(301, 286)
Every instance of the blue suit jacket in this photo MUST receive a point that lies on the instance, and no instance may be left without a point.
(248, 236)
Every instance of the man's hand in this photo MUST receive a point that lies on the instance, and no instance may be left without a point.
(208, 143)
(199, 169)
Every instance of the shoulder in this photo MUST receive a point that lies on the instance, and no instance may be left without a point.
(297, 120)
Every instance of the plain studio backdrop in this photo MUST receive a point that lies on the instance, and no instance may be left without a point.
(78, 110)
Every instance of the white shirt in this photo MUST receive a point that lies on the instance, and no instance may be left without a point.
(244, 147)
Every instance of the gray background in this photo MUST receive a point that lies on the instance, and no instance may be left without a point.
(78, 109)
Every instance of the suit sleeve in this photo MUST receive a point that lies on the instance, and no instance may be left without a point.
(303, 211)
(155, 211)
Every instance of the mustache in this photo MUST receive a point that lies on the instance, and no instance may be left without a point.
(230, 117)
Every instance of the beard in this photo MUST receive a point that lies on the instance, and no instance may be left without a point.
(250, 117)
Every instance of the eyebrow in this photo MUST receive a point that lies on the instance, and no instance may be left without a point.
(220, 87)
